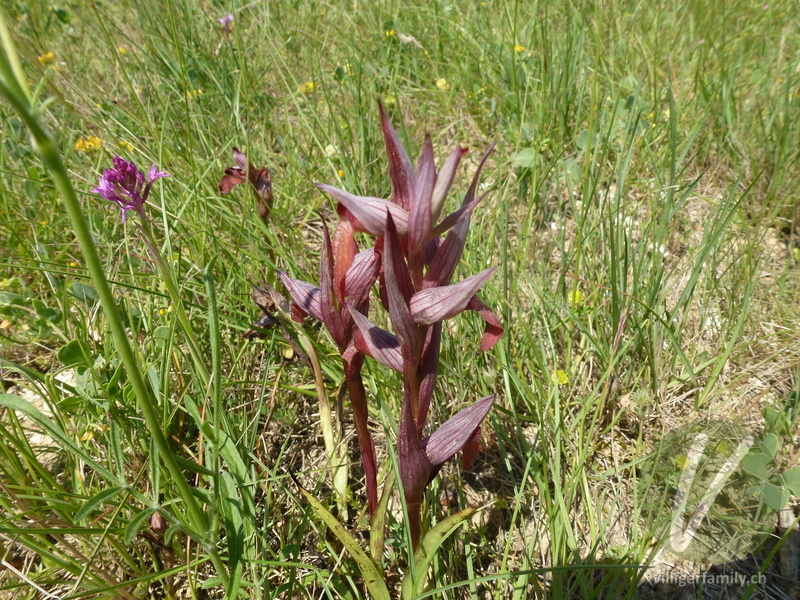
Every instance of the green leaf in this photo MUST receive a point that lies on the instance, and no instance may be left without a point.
(62, 15)
(775, 497)
(232, 510)
(377, 526)
(135, 524)
(75, 354)
(776, 420)
(32, 190)
(791, 479)
(582, 140)
(170, 533)
(95, 501)
(755, 490)
(373, 579)
(770, 444)
(192, 466)
(84, 292)
(756, 464)
(525, 159)
(45, 312)
(241, 472)
(427, 550)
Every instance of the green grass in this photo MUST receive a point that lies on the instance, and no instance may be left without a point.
(643, 218)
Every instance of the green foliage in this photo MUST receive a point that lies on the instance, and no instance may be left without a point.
(646, 158)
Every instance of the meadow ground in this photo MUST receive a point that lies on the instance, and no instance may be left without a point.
(643, 216)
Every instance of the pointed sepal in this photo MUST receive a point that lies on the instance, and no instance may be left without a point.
(306, 298)
(377, 343)
(368, 212)
(493, 329)
(401, 171)
(419, 218)
(399, 290)
(456, 431)
(444, 181)
(435, 304)
(361, 276)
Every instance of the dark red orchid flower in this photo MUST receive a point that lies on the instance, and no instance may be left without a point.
(259, 180)
(416, 272)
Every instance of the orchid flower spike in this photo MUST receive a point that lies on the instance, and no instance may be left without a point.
(125, 185)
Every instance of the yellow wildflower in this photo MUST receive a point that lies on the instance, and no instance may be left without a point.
(340, 173)
(88, 144)
(389, 99)
(73, 264)
(307, 87)
(122, 50)
(442, 84)
(48, 58)
(162, 312)
(559, 377)
(575, 298)
(518, 48)
(195, 93)
(388, 33)
(126, 146)
(88, 436)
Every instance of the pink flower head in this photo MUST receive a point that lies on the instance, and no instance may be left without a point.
(226, 20)
(125, 185)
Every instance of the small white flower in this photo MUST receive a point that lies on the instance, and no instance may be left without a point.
(330, 151)
(408, 39)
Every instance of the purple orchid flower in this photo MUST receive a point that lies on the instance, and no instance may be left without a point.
(125, 185)
(417, 268)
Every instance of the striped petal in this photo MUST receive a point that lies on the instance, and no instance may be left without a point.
(369, 212)
(456, 431)
(401, 171)
(438, 303)
(445, 180)
(419, 218)
(377, 343)
(305, 297)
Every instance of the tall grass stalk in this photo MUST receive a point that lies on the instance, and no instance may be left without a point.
(14, 88)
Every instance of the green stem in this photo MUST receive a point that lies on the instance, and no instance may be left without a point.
(51, 157)
(174, 294)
